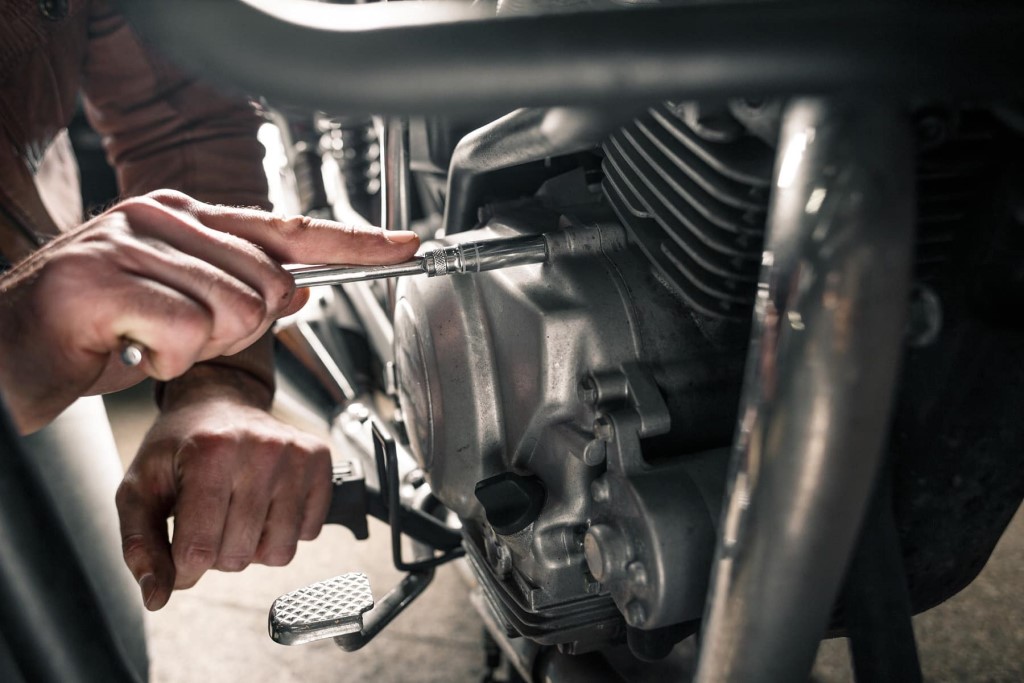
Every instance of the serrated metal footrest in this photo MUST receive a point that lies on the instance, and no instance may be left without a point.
(326, 609)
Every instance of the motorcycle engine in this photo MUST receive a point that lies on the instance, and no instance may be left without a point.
(572, 414)
(577, 415)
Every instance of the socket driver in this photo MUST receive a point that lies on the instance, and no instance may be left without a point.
(469, 257)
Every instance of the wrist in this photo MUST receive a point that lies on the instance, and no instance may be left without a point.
(209, 382)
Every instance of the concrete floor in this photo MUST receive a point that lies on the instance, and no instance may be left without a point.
(217, 631)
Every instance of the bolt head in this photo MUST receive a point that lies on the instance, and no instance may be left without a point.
(637, 573)
(600, 490)
(603, 428)
(358, 412)
(587, 391)
(595, 452)
(503, 562)
(602, 548)
(636, 614)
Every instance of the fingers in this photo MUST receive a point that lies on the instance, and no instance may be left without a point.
(147, 552)
(301, 239)
(206, 482)
(242, 260)
(239, 313)
(318, 497)
(240, 494)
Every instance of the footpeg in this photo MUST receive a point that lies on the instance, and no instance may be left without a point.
(326, 609)
(335, 608)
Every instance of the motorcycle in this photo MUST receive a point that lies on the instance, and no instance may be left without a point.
(760, 384)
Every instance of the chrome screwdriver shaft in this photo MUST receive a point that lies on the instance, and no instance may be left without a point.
(470, 257)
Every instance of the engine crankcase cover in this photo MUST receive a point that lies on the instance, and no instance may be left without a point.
(510, 380)
(486, 363)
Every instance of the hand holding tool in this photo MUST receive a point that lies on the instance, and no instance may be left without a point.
(469, 257)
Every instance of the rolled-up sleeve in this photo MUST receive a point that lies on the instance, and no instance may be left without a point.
(163, 129)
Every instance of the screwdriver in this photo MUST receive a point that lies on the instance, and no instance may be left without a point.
(469, 257)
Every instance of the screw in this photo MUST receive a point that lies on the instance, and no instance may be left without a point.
(416, 478)
(595, 452)
(602, 548)
(603, 428)
(637, 573)
(503, 562)
(358, 412)
(587, 391)
(636, 614)
(600, 490)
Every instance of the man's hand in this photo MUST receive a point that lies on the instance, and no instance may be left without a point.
(188, 280)
(242, 486)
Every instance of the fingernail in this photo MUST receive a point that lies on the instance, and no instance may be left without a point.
(400, 236)
(148, 586)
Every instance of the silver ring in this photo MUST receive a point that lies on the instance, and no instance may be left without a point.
(132, 353)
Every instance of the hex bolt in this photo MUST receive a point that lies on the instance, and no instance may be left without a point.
(600, 491)
(503, 562)
(603, 428)
(602, 548)
(595, 452)
(636, 614)
(587, 391)
(358, 412)
(415, 478)
(637, 573)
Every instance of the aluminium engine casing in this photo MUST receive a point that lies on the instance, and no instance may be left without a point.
(557, 372)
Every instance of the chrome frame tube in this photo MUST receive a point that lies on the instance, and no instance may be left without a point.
(821, 373)
(395, 190)
(456, 56)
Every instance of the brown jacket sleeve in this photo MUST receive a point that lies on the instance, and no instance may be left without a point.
(163, 129)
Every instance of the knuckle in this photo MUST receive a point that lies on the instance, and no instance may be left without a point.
(294, 226)
(233, 562)
(133, 546)
(136, 207)
(198, 554)
(251, 311)
(125, 496)
(213, 442)
(310, 533)
(282, 286)
(279, 555)
(171, 198)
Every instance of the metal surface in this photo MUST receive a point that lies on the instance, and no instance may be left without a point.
(471, 257)
(454, 56)
(132, 353)
(297, 335)
(395, 190)
(695, 201)
(488, 369)
(325, 609)
(523, 136)
(386, 609)
(821, 370)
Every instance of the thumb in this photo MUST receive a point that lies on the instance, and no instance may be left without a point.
(144, 542)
